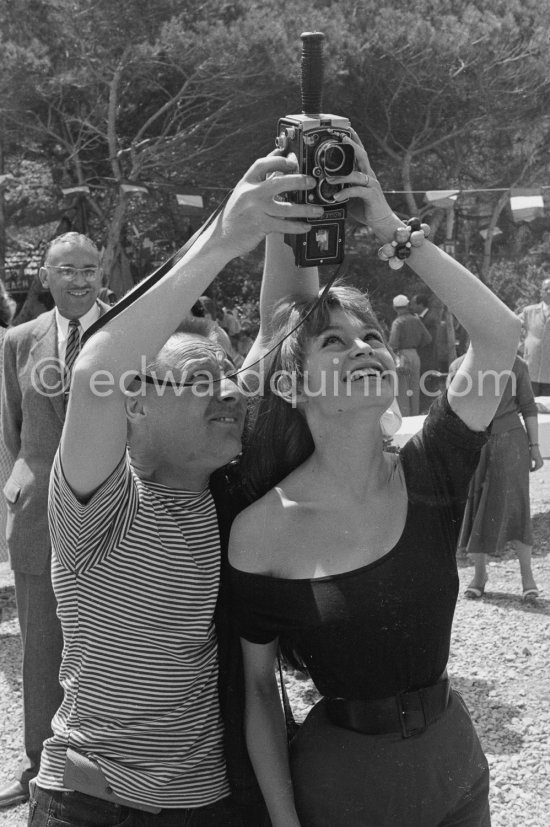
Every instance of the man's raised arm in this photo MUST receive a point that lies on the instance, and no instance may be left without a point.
(94, 436)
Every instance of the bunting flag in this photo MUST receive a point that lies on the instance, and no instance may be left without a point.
(441, 198)
(526, 204)
(189, 200)
(496, 231)
(190, 204)
(71, 190)
(133, 188)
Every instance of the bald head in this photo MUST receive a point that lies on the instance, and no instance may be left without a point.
(181, 352)
(76, 239)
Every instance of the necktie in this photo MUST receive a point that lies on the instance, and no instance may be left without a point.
(71, 352)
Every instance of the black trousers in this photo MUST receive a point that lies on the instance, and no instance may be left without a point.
(42, 643)
(439, 778)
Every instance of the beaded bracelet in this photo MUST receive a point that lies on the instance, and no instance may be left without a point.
(411, 235)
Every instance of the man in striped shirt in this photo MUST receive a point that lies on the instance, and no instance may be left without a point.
(138, 738)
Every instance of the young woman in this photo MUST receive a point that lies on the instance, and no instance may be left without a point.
(347, 558)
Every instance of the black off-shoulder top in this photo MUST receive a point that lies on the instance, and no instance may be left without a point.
(385, 627)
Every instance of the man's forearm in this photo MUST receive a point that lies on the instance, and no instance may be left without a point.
(138, 333)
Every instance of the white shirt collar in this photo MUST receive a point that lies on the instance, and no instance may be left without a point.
(86, 321)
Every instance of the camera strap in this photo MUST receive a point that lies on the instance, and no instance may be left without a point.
(144, 285)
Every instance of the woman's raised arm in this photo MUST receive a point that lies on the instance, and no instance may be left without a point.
(494, 330)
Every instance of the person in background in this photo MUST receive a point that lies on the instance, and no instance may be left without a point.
(535, 321)
(107, 296)
(498, 510)
(445, 345)
(36, 375)
(7, 311)
(420, 305)
(407, 335)
(347, 556)
(207, 305)
(243, 343)
(229, 320)
(204, 308)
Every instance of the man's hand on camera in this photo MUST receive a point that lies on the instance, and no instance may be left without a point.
(253, 210)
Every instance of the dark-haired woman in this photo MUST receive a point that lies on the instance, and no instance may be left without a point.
(347, 558)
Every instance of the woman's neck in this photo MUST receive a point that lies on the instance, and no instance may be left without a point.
(349, 455)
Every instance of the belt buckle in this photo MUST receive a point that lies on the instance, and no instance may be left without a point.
(412, 716)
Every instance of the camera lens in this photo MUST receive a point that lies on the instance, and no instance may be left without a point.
(326, 191)
(334, 158)
(331, 157)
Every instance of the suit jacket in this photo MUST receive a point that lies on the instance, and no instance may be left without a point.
(536, 348)
(33, 413)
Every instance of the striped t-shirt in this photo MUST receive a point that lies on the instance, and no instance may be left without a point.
(136, 575)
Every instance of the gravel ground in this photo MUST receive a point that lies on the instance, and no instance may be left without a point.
(499, 662)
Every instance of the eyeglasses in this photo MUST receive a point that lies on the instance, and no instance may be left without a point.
(66, 271)
(204, 377)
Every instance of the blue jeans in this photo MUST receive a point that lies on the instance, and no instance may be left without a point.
(51, 808)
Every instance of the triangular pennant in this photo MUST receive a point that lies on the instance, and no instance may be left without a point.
(442, 198)
(495, 232)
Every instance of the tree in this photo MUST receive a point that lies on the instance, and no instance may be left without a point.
(136, 101)
(445, 94)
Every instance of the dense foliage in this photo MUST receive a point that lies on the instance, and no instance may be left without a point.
(181, 96)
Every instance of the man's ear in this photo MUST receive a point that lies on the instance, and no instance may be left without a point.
(134, 404)
(43, 276)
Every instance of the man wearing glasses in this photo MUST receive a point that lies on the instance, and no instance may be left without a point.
(38, 358)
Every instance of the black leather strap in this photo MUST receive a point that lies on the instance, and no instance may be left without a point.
(408, 712)
(143, 286)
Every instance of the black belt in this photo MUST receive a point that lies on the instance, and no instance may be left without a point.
(408, 712)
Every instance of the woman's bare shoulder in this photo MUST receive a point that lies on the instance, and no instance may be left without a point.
(255, 532)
